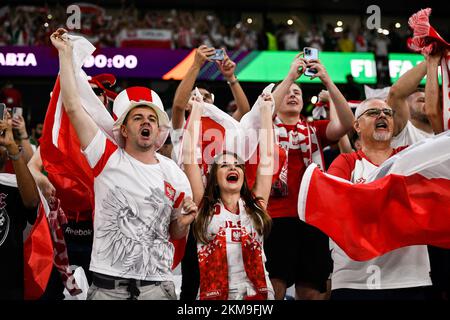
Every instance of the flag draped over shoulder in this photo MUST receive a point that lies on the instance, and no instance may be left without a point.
(406, 202)
(427, 40)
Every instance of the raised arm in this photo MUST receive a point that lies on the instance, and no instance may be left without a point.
(400, 91)
(18, 123)
(264, 173)
(228, 67)
(81, 121)
(25, 182)
(344, 142)
(298, 67)
(186, 85)
(190, 141)
(342, 120)
(36, 166)
(433, 108)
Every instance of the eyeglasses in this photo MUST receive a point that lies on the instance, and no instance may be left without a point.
(98, 91)
(376, 112)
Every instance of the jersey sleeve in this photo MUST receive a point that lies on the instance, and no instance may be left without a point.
(98, 152)
(342, 166)
(321, 128)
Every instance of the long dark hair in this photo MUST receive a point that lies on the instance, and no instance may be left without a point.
(260, 218)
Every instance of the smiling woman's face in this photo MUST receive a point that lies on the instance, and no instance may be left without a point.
(230, 173)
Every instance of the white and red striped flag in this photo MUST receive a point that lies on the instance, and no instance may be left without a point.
(406, 202)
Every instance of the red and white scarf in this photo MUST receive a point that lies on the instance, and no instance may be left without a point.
(304, 137)
(56, 219)
(213, 261)
(427, 40)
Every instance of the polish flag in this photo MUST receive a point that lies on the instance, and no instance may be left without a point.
(220, 132)
(406, 202)
(60, 146)
(38, 257)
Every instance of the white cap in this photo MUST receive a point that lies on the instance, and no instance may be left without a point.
(134, 97)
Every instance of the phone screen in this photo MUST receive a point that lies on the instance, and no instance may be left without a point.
(17, 111)
(2, 110)
(218, 55)
(310, 54)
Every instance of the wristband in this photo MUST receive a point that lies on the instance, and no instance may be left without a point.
(230, 83)
(15, 156)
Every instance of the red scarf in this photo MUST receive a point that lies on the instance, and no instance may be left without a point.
(213, 258)
(56, 219)
(306, 138)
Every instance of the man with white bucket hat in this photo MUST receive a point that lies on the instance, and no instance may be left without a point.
(139, 194)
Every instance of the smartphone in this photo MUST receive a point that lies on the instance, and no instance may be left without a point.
(17, 111)
(310, 54)
(218, 55)
(2, 110)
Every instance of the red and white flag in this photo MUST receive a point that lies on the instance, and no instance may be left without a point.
(60, 147)
(220, 132)
(406, 202)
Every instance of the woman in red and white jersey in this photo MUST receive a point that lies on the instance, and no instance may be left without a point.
(232, 219)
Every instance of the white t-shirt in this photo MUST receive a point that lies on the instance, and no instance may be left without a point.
(408, 136)
(401, 268)
(134, 205)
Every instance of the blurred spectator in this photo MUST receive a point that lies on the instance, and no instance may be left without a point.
(361, 44)
(107, 27)
(314, 38)
(351, 90)
(395, 40)
(267, 39)
(10, 96)
(381, 44)
(346, 43)
(36, 134)
(291, 39)
(330, 38)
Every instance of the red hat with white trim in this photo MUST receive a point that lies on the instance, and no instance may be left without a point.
(134, 97)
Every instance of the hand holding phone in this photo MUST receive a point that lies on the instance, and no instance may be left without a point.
(310, 54)
(218, 55)
(17, 112)
(2, 110)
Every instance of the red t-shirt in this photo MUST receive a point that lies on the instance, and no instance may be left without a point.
(283, 207)
(344, 165)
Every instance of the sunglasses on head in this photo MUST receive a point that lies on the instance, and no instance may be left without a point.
(376, 112)
(98, 91)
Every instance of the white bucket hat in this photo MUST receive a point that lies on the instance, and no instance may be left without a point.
(139, 96)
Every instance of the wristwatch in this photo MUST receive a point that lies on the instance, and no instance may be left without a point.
(236, 80)
(16, 156)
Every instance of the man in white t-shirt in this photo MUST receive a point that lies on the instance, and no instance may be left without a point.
(399, 274)
(138, 193)
(411, 123)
